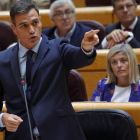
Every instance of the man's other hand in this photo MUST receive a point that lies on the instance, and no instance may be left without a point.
(11, 121)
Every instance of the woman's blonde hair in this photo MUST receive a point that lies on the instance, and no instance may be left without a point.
(133, 64)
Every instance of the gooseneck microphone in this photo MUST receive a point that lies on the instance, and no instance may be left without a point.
(23, 84)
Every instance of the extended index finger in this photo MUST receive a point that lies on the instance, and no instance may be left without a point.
(91, 32)
(91, 35)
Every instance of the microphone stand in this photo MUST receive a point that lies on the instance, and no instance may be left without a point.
(23, 84)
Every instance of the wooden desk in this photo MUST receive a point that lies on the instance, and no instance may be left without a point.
(132, 108)
(101, 14)
(97, 71)
(81, 3)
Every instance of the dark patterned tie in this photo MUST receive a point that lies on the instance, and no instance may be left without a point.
(127, 29)
(29, 64)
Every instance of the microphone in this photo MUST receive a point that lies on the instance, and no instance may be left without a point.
(23, 84)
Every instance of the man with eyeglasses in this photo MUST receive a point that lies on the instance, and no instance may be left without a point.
(127, 29)
(62, 14)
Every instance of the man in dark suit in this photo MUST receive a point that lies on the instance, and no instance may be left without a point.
(45, 64)
(62, 14)
(127, 30)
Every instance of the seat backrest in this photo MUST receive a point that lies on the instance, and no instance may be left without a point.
(95, 25)
(139, 67)
(77, 89)
(7, 36)
(107, 124)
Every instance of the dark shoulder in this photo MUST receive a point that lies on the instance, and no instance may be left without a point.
(83, 27)
(7, 53)
(113, 26)
(48, 31)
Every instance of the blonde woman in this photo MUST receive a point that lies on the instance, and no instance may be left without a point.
(122, 82)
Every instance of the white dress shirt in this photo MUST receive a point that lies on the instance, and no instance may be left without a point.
(132, 26)
(121, 94)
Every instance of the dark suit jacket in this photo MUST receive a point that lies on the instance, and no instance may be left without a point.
(77, 36)
(50, 104)
(135, 42)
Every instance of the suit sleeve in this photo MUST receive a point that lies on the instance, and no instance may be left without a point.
(73, 57)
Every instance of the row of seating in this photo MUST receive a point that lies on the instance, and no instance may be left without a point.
(106, 120)
(104, 15)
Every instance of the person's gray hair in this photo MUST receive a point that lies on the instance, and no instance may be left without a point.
(133, 64)
(113, 2)
(21, 7)
(59, 3)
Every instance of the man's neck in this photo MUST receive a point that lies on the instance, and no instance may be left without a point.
(128, 24)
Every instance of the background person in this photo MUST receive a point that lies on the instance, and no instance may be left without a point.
(122, 82)
(127, 29)
(62, 14)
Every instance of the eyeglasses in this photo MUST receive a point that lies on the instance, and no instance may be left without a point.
(61, 14)
(121, 7)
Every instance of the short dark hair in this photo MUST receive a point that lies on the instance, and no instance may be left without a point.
(113, 2)
(21, 7)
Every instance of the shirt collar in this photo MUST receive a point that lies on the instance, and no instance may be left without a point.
(132, 26)
(69, 34)
(23, 50)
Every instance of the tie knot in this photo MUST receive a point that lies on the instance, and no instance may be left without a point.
(29, 53)
(127, 29)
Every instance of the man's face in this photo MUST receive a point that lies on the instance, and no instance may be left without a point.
(125, 11)
(28, 28)
(64, 18)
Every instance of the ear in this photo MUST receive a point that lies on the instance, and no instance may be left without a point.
(14, 28)
(53, 21)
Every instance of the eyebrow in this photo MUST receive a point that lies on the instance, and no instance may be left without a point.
(26, 22)
(64, 10)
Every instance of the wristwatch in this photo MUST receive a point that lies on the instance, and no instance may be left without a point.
(130, 34)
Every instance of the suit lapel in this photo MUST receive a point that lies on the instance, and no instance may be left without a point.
(137, 27)
(118, 25)
(41, 53)
(75, 37)
(15, 68)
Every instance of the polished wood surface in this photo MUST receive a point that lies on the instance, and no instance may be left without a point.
(101, 14)
(132, 108)
(80, 3)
